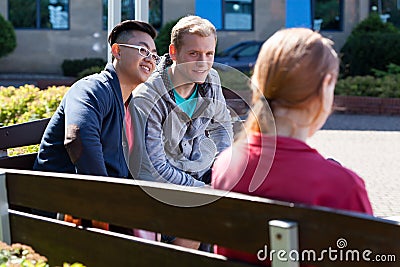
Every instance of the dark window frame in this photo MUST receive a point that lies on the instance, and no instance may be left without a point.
(341, 15)
(38, 23)
(237, 30)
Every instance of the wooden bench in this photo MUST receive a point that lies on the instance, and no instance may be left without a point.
(238, 102)
(233, 220)
(19, 135)
(322, 236)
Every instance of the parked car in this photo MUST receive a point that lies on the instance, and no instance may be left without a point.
(241, 56)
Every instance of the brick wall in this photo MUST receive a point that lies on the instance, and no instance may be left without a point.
(241, 100)
(367, 105)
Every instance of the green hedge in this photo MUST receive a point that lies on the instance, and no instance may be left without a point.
(90, 71)
(386, 86)
(72, 67)
(28, 103)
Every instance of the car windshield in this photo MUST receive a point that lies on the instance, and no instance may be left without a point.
(231, 51)
(251, 50)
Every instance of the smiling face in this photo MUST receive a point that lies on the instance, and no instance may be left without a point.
(194, 58)
(132, 68)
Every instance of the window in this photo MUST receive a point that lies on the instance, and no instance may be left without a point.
(231, 15)
(238, 15)
(389, 10)
(128, 12)
(328, 15)
(39, 14)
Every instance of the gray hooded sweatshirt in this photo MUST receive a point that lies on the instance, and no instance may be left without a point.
(180, 148)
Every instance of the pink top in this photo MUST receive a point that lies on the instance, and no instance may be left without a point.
(130, 137)
(293, 172)
(129, 129)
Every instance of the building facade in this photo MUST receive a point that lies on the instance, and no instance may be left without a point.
(50, 31)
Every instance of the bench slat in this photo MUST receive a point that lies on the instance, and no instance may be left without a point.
(237, 221)
(60, 242)
(24, 134)
(20, 162)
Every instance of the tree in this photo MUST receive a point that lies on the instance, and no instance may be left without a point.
(8, 40)
(163, 39)
(374, 24)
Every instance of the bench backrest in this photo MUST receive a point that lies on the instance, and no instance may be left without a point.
(233, 220)
(20, 135)
(238, 101)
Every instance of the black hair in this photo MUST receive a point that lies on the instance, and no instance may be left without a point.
(130, 25)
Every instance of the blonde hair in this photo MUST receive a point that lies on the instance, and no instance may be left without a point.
(191, 25)
(289, 72)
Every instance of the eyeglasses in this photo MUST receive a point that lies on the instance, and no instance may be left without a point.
(144, 52)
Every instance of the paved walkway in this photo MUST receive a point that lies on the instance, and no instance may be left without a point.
(362, 122)
(370, 146)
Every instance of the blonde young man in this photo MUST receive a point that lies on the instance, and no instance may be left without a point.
(187, 121)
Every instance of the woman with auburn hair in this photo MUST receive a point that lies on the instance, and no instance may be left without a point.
(293, 88)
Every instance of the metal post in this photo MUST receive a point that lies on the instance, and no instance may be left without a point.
(142, 10)
(5, 235)
(284, 243)
(114, 17)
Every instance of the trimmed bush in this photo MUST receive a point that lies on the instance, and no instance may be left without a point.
(72, 67)
(386, 86)
(28, 103)
(90, 71)
(370, 46)
(374, 24)
(391, 69)
(8, 40)
(368, 51)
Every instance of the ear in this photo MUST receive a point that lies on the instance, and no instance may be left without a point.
(115, 51)
(172, 51)
(328, 87)
(325, 104)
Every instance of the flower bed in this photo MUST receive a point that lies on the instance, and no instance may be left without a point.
(19, 255)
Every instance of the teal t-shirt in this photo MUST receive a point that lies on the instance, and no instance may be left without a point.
(188, 105)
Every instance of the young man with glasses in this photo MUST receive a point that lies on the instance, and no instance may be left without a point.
(91, 132)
